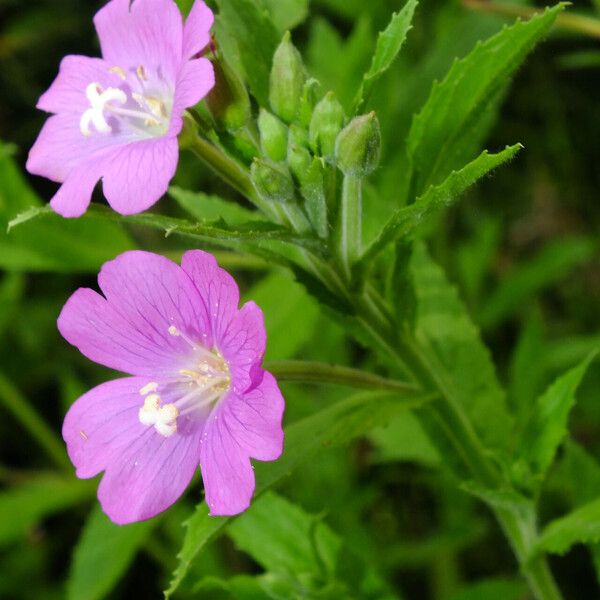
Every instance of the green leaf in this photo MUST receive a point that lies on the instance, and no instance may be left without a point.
(451, 344)
(580, 526)
(283, 538)
(103, 554)
(335, 425)
(389, 44)
(548, 424)
(282, 300)
(287, 14)
(405, 221)
(208, 208)
(25, 505)
(249, 39)
(246, 236)
(456, 105)
(69, 245)
(552, 264)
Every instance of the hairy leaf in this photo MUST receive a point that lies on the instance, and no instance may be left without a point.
(580, 526)
(452, 346)
(389, 44)
(548, 424)
(458, 102)
(406, 220)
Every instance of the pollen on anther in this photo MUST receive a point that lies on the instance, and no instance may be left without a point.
(141, 73)
(118, 71)
(174, 331)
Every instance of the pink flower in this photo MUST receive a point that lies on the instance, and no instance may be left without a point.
(117, 118)
(197, 394)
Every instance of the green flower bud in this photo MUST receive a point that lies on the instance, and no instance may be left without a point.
(298, 156)
(307, 102)
(273, 136)
(272, 181)
(325, 125)
(287, 80)
(228, 101)
(358, 146)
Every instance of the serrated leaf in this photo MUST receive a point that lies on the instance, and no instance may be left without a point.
(452, 346)
(103, 554)
(389, 44)
(548, 424)
(580, 526)
(551, 264)
(283, 538)
(249, 36)
(405, 221)
(69, 245)
(23, 506)
(446, 121)
(335, 425)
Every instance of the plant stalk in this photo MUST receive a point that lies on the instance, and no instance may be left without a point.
(349, 226)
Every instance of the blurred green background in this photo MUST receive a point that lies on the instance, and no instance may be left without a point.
(522, 248)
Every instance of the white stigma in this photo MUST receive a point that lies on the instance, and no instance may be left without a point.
(162, 417)
(99, 99)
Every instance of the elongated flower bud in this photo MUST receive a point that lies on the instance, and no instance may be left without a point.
(228, 102)
(358, 146)
(272, 181)
(298, 157)
(273, 136)
(287, 80)
(325, 125)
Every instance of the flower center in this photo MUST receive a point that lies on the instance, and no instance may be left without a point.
(140, 110)
(199, 388)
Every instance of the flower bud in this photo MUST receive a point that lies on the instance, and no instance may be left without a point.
(298, 157)
(287, 80)
(307, 102)
(273, 136)
(358, 146)
(228, 101)
(272, 181)
(327, 121)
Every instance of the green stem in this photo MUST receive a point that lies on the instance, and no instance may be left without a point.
(17, 405)
(316, 372)
(349, 227)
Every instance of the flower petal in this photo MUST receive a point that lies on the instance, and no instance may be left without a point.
(254, 419)
(68, 91)
(217, 288)
(196, 31)
(152, 294)
(138, 174)
(74, 195)
(243, 346)
(61, 147)
(107, 337)
(226, 470)
(196, 78)
(149, 33)
(102, 423)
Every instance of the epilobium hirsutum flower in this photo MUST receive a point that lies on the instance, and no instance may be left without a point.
(197, 394)
(117, 118)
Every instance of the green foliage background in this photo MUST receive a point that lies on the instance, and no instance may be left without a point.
(353, 514)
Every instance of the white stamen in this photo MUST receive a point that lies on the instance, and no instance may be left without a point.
(149, 387)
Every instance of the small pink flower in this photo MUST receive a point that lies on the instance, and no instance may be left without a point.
(197, 395)
(117, 118)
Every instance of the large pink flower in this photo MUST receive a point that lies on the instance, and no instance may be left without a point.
(117, 118)
(197, 395)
